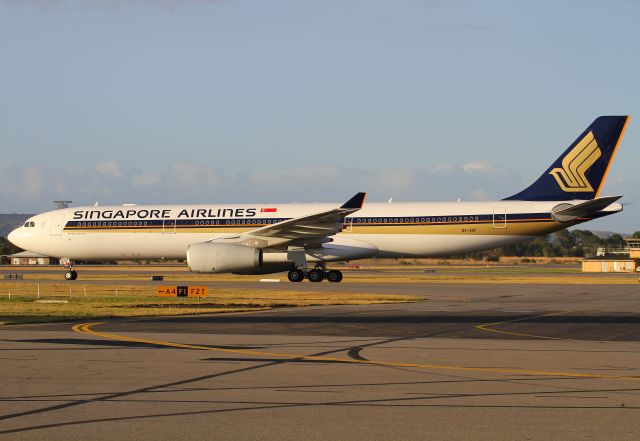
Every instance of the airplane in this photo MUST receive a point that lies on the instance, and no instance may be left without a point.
(304, 238)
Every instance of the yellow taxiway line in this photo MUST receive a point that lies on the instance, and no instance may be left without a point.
(86, 328)
(489, 326)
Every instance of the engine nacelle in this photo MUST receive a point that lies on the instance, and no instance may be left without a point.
(210, 257)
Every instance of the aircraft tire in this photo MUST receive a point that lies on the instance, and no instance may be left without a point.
(71, 275)
(334, 276)
(315, 275)
(295, 276)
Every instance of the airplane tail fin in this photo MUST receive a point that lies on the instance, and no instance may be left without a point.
(581, 170)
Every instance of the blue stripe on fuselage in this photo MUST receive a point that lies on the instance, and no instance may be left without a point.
(256, 223)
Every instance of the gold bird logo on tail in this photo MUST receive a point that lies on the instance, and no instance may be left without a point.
(571, 177)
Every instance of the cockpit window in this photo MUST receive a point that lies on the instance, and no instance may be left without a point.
(29, 224)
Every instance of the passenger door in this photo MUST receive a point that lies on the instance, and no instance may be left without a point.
(168, 226)
(500, 217)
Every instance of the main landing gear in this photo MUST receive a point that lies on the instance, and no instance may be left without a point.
(296, 275)
(317, 274)
(71, 273)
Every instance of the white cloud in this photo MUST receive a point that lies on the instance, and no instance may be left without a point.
(33, 189)
(146, 179)
(111, 168)
(295, 175)
(32, 181)
(194, 176)
(479, 195)
(398, 179)
(446, 169)
(482, 167)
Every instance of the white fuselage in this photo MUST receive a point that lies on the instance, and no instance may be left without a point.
(383, 229)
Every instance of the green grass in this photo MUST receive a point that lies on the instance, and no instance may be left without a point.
(24, 308)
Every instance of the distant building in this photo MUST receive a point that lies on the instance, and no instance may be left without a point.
(615, 260)
(62, 204)
(29, 258)
(634, 247)
(608, 265)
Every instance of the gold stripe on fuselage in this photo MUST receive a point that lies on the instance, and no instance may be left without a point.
(524, 227)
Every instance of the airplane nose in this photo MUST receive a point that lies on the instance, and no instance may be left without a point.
(13, 237)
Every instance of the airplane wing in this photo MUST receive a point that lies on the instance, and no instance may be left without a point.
(302, 229)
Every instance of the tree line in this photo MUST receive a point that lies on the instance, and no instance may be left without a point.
(564, 243)
(7, 247)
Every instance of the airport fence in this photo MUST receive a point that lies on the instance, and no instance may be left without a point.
(65, 291)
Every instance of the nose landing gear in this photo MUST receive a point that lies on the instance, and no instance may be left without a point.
(71, 273)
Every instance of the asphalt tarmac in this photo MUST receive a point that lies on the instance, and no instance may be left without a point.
(470, 362)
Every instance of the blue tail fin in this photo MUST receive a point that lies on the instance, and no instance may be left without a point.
(580, 172)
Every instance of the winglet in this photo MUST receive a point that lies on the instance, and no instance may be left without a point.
(355, 202)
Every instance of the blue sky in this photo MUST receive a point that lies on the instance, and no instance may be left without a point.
(152, 101)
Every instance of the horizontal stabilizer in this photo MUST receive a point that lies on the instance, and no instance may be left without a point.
(568, 212)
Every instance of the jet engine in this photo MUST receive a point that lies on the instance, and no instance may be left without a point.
(211, 257)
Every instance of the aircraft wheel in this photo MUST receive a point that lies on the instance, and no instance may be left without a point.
(71, 275)
(295, 276)
(315, 275)
(334, 276)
